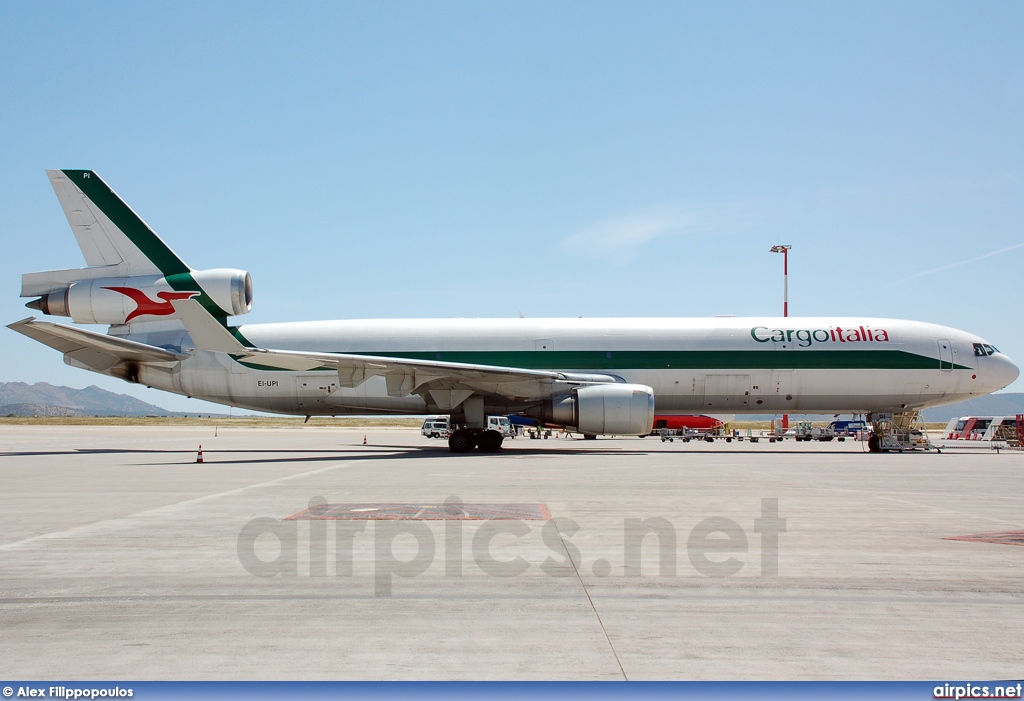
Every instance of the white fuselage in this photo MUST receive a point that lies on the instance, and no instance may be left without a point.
(717, 365)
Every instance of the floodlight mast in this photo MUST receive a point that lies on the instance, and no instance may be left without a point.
(784, 250)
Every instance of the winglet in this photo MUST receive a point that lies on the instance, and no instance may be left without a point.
(206, 332)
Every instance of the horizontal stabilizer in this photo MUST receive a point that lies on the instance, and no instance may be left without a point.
(46, 282)
(95, 350)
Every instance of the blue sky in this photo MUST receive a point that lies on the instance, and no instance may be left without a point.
(558, 159)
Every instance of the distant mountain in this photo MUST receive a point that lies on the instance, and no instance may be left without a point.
(24, 409)
(1004, 404)
(43, 399)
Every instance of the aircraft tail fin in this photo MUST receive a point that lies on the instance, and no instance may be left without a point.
(115, 241)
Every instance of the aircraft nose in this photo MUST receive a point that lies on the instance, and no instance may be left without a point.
(1004, 371)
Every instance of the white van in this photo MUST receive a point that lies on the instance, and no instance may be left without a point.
(436, 427)
(440, 426)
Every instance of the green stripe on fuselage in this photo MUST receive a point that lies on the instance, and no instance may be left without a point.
(679, 360)
(239, 337)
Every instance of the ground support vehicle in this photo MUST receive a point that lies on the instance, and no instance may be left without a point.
(898, 433)
(436, 427)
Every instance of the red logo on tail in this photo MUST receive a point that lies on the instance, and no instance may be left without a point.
(144, 305)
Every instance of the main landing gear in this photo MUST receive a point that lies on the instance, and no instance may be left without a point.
(464, 440)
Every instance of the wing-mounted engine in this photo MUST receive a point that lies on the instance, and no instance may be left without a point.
(121, 300)
(612, 409)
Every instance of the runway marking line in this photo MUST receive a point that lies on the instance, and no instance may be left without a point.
(168, 508)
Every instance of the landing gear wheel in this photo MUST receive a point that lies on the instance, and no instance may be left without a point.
(489, 442)
(461, 441)
(589, 437)
(873, 444)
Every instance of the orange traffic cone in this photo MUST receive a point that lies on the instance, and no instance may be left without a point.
(199, 457)
(364, 439)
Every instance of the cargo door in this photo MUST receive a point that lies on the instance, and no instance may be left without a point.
(782, 387)
(312, 390)
(725, 393)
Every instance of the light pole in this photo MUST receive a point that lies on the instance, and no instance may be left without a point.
(784, 250)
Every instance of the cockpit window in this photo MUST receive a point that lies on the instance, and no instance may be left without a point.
(981, 349)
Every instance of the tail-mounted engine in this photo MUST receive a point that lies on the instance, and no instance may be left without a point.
(223, 291)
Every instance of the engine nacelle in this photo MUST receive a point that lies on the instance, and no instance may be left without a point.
(147, 298)
(230, 289)
(612, 409)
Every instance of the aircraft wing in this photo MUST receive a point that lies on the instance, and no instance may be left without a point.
(448, 383)
(96, 350)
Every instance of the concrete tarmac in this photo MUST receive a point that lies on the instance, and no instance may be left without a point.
(121, 558)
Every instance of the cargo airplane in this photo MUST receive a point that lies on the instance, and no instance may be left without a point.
(170, 327)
